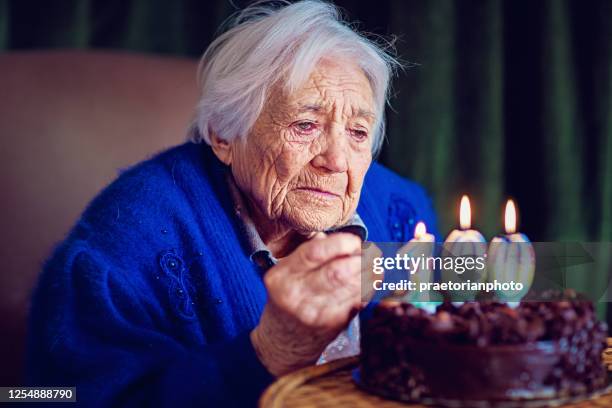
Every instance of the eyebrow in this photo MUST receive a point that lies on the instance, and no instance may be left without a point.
(309, 108)
(366, 113)
(317, 108)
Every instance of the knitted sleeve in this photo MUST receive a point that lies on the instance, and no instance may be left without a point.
(93, 328)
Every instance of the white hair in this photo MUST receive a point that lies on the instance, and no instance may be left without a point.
(266, 44)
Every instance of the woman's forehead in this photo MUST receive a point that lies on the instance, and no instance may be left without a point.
(337, 77)
(325, 87)
(340, 74)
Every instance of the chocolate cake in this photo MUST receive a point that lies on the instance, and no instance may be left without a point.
(484, 351)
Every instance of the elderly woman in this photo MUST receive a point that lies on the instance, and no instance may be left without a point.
(200, 275)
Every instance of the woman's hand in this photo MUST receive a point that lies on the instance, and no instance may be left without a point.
(312, 295)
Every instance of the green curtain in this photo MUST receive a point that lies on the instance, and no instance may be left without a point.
(499, 98)
(452, 128)
(509, 98)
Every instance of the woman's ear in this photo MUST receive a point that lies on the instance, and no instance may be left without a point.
(221, 148)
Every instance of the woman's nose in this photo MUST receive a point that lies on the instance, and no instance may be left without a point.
(334, 155)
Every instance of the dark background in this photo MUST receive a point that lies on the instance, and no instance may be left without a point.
(502, 98)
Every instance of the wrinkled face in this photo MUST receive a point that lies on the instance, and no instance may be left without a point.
(304, 162)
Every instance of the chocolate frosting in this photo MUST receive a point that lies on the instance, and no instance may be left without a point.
(485, 350)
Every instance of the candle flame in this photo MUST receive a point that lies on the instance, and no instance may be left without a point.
(510, 218)
(465, 213)
(420, 230)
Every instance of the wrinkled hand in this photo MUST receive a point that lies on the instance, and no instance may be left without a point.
(312, 295)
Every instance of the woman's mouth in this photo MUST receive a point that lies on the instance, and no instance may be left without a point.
(319, 192)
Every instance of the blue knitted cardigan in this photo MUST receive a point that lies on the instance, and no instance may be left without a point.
(150, 299)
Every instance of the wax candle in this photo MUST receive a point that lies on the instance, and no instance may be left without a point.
(421, 234)
(465, 233)
(511, 257)
(464, 242)
(420, 247)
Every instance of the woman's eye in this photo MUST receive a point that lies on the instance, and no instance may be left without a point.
(305, 127)
(359, 134)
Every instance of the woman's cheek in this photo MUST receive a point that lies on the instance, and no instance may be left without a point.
(293, 158)
(360, 166)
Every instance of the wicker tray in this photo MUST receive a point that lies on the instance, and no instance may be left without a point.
(332, 385)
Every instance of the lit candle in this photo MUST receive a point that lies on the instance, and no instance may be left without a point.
(421, 246)
(421, 234)
(465, 233)
(464, 242)
(511, 257)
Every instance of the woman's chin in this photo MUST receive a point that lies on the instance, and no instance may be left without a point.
(309, 219)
